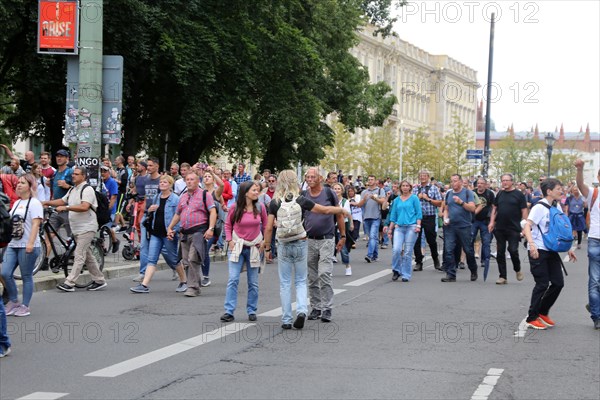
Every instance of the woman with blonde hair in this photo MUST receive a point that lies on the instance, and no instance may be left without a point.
(24, 248)
(161, 212)
(287, 207)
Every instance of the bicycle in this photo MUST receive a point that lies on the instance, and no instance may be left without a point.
(62, 260)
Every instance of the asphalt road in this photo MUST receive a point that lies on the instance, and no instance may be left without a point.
(388, 340)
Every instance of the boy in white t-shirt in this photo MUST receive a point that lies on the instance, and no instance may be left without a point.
(545, 264)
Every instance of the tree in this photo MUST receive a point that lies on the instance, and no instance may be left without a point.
(454, 147)
(343, 153)
(382, 152)
(522, 158)
(417, 154)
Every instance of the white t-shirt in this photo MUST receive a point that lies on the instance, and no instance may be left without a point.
(540, 216)
(36, 210)
(594, 215)
(179, 186)
(41, 193)
(82, 222)
(357, 211)
(345, 204)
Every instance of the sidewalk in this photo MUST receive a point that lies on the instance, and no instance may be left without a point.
(115, 266)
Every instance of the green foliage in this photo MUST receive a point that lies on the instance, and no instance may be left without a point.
(343, 153)
(454, 148)
(522, 158)
(381, 152)
(417, 155)
(244, 78)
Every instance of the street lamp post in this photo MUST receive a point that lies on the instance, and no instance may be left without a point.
(401, 149)
(549, 147)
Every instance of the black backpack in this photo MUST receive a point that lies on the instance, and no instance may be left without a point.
(5, 220)
(102, 211)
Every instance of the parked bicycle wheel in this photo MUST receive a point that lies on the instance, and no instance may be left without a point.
(105, 239)
(38, 263)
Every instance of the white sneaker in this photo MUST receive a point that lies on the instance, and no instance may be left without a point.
(348, 271)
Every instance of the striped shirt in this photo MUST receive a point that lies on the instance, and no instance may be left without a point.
(433, 192)
(191, 209)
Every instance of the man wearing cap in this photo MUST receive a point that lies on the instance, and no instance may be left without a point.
(110, 189)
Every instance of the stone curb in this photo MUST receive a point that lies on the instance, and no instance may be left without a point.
(49, 282)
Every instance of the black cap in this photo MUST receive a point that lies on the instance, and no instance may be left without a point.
(62, 152)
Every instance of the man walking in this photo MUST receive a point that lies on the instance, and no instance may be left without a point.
(80, 202)
(198, 219)
(372, 198)
(458, 207)
(430, 199)
(482, 219)
(320, 231)
(510, 207)
(593, 200)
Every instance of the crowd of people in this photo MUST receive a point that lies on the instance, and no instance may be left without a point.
(191, 211)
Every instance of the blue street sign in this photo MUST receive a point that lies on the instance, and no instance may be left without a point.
(474, 154)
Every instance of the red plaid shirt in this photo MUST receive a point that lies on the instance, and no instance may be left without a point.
(191, 209)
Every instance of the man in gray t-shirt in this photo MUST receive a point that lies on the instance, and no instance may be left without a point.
(372, 198)
(320, 229)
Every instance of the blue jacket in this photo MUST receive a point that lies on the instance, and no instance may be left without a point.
(405, 212)
(170, 209)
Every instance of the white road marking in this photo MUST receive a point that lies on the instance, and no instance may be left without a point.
(276, 312)
(487, 386)
(522, 330)
(168, 351)
(369, 278)
(43, 396)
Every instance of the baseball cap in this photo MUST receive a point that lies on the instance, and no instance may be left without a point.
(63, 153)
(104, 168)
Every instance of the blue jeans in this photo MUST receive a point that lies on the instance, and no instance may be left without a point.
(594, 278)
(144, 244)
(161, 245)
(17, 256)
(372, 227)
(404, 239)
(234, 278)
(454, 237)
(292, 260)
(385, 240)
(4, 339)
(486, 240)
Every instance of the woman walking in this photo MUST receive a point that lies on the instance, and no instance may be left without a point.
(292, 249)
(24, 248)
(405, 225)
(545, 264)
(338, 189)
(354, 198)
(162, 210)
(244, 228)
(575, 205)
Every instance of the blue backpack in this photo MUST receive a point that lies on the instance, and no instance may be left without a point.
(559, 237)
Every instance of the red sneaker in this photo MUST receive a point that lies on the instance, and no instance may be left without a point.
(546, 320)
(536, 324)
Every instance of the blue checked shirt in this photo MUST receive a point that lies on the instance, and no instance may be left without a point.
(241, 179)
(433, 192)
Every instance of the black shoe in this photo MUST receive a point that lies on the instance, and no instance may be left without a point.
(436, 264)
(252, 317)
(474, 277)
(286, 326)
(418, 267)
(299, 322)
(368, 259)
(227, 317)
(448, 278)
(597, 324)
(326, 316)
(404, 280)
(45, 266)
(115, 246)
(314, 314)
(96, 286)
(65, 288)
(395, 276)
(461, 265)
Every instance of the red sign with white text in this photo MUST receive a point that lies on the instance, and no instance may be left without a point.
(58, 27)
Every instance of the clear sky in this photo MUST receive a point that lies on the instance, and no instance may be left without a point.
(546, 56)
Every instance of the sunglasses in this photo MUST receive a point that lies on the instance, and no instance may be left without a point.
(271, 181)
